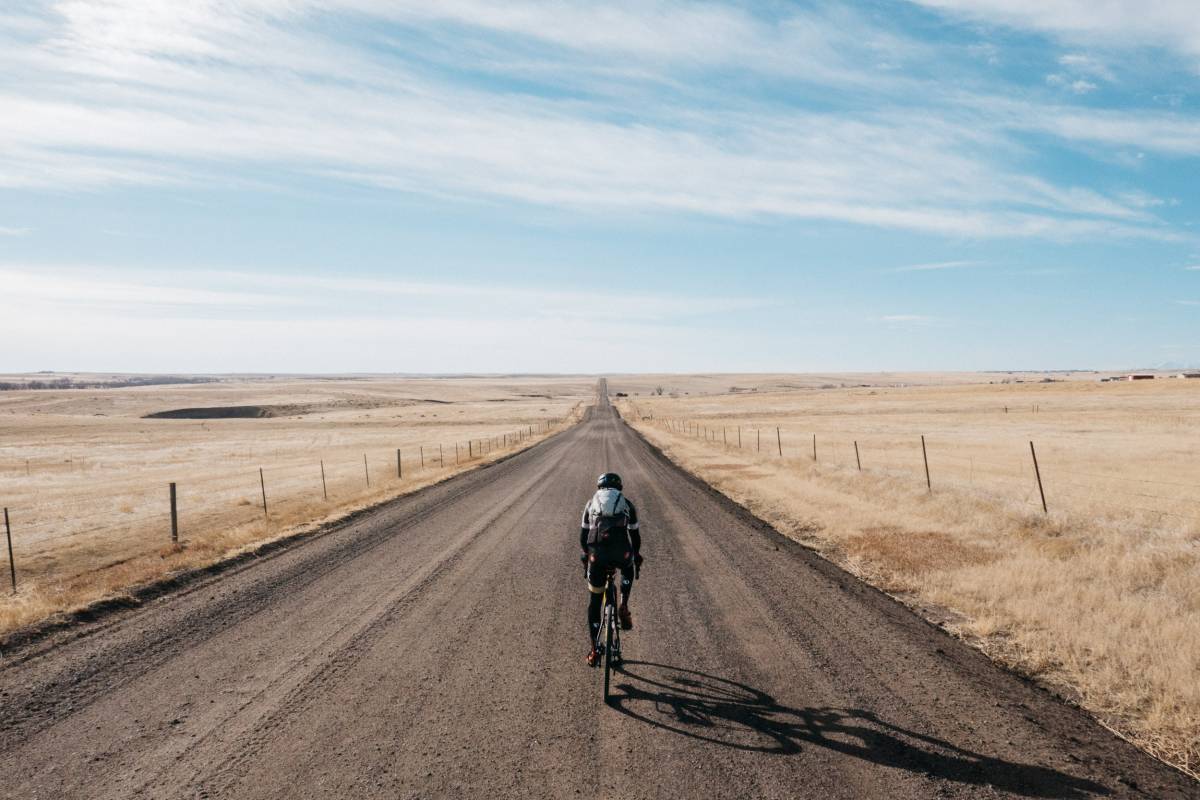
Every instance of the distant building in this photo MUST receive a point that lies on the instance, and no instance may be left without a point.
(1139, 377)
(1187, 375)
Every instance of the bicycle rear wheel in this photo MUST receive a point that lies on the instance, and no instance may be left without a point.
(609, 624)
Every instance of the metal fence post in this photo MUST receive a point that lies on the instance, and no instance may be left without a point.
(925, 455)
(174, 517)
(12, 565)
(1038, 472)
(263, 483)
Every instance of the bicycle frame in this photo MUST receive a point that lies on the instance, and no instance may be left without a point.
(608, 638)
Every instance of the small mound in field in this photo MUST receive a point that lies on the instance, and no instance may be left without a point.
(215, 412)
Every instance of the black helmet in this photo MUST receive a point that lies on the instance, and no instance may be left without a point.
(609, 480)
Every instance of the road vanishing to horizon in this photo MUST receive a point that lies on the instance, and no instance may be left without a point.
(434, 647)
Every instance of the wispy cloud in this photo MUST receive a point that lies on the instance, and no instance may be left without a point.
(221, 321)
(1087, 65)
(1169, 23)
(908, 319)
(1187, 302)
(124, 92)
(937, 265)
(303, 297)
(99, 289)
(14, 231)
(1076, 85)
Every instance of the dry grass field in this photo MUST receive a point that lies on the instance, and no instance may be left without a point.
(85, 474)
(1100, 597)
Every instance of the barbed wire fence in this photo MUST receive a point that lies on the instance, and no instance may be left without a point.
(1020, 470)
(131, 518)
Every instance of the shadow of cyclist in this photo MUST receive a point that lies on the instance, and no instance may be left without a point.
(732, 714)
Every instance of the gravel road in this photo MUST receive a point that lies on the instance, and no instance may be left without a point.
(434, 648)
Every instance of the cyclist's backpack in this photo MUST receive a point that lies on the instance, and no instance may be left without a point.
(608, 520)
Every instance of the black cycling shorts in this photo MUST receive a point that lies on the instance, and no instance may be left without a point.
(600, 565)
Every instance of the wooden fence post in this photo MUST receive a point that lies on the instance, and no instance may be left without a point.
(925, 455)
(12, 566)
(814, 447)
(779, 441)
(758, 433)
(739, 437)
(263, 483)
(174, 517)
(441, 461)
(324, 488)
(1038, 472)
(366, 472)
(725, 436)
(857, 460)
(399, 465)
(456, 454)
(422, 456)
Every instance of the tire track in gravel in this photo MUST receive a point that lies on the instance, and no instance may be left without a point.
(236, 738)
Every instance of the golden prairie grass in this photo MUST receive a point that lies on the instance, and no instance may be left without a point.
(85, 476)
(1099, 598)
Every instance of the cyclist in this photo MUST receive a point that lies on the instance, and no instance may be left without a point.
(610, 540)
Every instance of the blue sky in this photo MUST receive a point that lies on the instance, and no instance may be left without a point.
(359, 185)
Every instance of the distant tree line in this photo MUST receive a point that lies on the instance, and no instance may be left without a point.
(115, 383)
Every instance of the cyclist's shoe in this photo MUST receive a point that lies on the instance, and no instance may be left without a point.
(593, 658)
(626, 618)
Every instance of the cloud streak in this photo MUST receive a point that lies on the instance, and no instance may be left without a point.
(909, 319)
(124, 92)
(1115, 23)
(936, 266)
(221, 321)
(307, 298)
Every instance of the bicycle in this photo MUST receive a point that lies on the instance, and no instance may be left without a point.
(608, 638)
